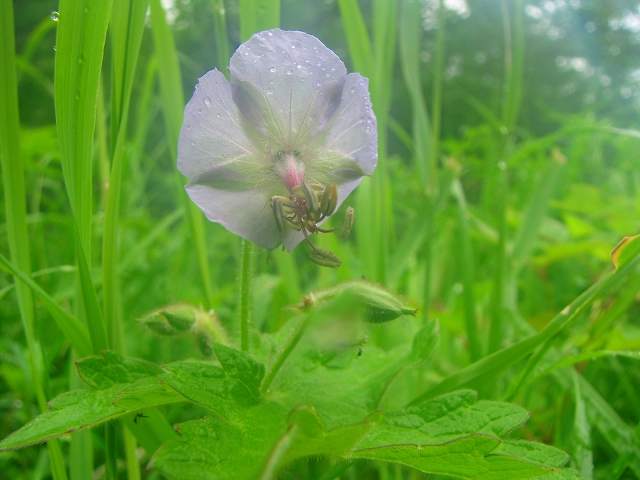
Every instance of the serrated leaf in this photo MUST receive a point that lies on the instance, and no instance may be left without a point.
(70, 412)
(534, 452)
(215, 448)
(356, 382)
(466, 457)
(146, 392)
(446, 418)
(112, 368)
(77, 410)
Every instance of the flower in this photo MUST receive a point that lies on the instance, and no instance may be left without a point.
(264, 151)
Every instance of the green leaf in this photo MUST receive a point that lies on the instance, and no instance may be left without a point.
(111, 369)
(77, 410)
(70, 412)
(625, 251)
(446, 418)
(534, 452)
(307, 435)
(466, 457)
(74, 330)
(215, 448)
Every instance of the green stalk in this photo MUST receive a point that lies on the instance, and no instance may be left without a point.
(467, 274)
(16, 210)
(245, 294)
(172, 100)
(496, 309)
(222, 38)
(258, 15)
(436, 98)
(284, 353)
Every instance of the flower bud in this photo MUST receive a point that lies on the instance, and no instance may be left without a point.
(374, 302)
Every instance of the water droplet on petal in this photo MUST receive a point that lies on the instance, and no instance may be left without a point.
(218, 115)
(318, 84)
(54, 16)
(193, 143)
(353, 89)
(269, 91)
(272, 69)
(199, 110)
(319, 64)
(289, 71)
(207, 100)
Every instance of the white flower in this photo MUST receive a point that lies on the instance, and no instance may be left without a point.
(291, 117)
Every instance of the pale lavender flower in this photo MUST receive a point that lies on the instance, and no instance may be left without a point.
(290, 114)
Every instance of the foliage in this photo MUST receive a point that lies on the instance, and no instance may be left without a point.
(494, 335)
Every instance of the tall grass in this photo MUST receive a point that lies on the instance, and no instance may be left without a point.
(501, 236)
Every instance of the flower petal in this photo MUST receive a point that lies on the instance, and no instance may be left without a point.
(212, 134)
(289, 67)
(246, 213)
(351, 140)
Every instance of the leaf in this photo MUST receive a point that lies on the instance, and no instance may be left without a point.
(625, 251)
(70, 412)
(446, 418)
(465, 457)
(534, 452)
(77, 410)
(215, 448)
(112, 368)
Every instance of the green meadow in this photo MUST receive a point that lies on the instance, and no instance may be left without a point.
(484, 322)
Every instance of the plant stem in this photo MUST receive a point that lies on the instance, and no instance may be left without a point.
(245, 294)
(288, 347)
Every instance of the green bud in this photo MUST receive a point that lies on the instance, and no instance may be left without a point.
(325, 258)
(180, 317)
(158, 324)
(374, 302)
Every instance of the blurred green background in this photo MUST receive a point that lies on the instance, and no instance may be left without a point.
(509, 169)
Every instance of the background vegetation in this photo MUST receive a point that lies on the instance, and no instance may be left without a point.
(508, 171)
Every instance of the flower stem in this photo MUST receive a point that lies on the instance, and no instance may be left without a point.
(288, 347)
(245, 294)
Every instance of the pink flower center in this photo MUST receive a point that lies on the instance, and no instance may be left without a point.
(290, 168)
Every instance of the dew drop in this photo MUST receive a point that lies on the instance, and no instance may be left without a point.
(353, 89)
(319, 64)
(289, 71)
(207, 100)
(272, 69)
(199, 110)
(54, 16)
(293, 45)
(318, 84)
(269, 91)
(218, 115)
(193, 143)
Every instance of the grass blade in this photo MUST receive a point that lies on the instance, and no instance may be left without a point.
(16, 209)
(127, 26)
(172, 100)
(258, 15)
(486, 369)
